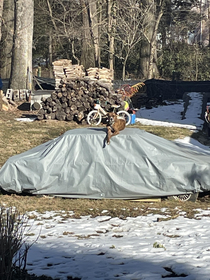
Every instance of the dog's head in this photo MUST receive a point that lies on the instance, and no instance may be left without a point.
(111, 118)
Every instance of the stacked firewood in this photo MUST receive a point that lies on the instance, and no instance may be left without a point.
(76, 91)
(102, 74)
(74, 99)
(59, 71)
(63, 68)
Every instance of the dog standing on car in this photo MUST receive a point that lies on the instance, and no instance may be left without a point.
(114, 125)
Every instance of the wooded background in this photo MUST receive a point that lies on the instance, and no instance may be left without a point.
(137, 39)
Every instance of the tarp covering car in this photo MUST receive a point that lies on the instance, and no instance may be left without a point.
(79, 164)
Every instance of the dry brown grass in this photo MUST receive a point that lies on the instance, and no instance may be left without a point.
(93, 208)
(17, 137)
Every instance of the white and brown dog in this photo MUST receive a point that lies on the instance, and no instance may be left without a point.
(114, 125)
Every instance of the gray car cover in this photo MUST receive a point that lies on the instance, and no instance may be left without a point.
(79, 164)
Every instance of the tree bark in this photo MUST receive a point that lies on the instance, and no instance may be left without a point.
(87, 55)
(152, 69)
(124, 67)
(94, 28)
(1, 13)
(22, 51)
(50, 53)
(6, 45)
(100, 32)
(111, 22)
(148, 49)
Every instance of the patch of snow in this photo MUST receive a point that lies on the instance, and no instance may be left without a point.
(108, 248)
(171, 114)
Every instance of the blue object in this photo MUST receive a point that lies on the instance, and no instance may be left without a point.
(133, 118)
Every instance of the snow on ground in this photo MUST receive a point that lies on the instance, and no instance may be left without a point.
(134, 248)
(171, 115)
(111, 248)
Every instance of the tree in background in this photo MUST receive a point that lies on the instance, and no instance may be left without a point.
(129, 28)
(43, 36)
(105, 30)
(57, 30)
(152, 39)
(74, 29)
(21, 67)
(94, 24)
(16, 43)
(111, 22)
(148, 49)
(1, 13)
(182, 55)
(6, 43)
(146, 37)
(87, 48)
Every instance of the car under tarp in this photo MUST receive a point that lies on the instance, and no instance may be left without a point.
(79, 164)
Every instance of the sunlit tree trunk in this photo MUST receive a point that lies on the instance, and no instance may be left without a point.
(152, 69)
(87, 55)
(99, 33)
(1, 13)
(22, 51)
(111, 23)
(6, 45)
(148, 49)
(124, 67)
(145, 45)
(50, 53)
(94, 27)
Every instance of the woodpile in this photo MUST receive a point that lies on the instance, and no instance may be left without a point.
(103, 74)
(63, 68)
(76, 92)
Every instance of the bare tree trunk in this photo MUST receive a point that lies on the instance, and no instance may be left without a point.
(94, 28)
(145, 44)
(7, 38)
(87, 55)
(99, 33)
(50, 54)
(148, 49)
(124, 67)
(152, 65)
(1, 13)
(73, 52)
(111, 22)
(111, 55)
(22, 51)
